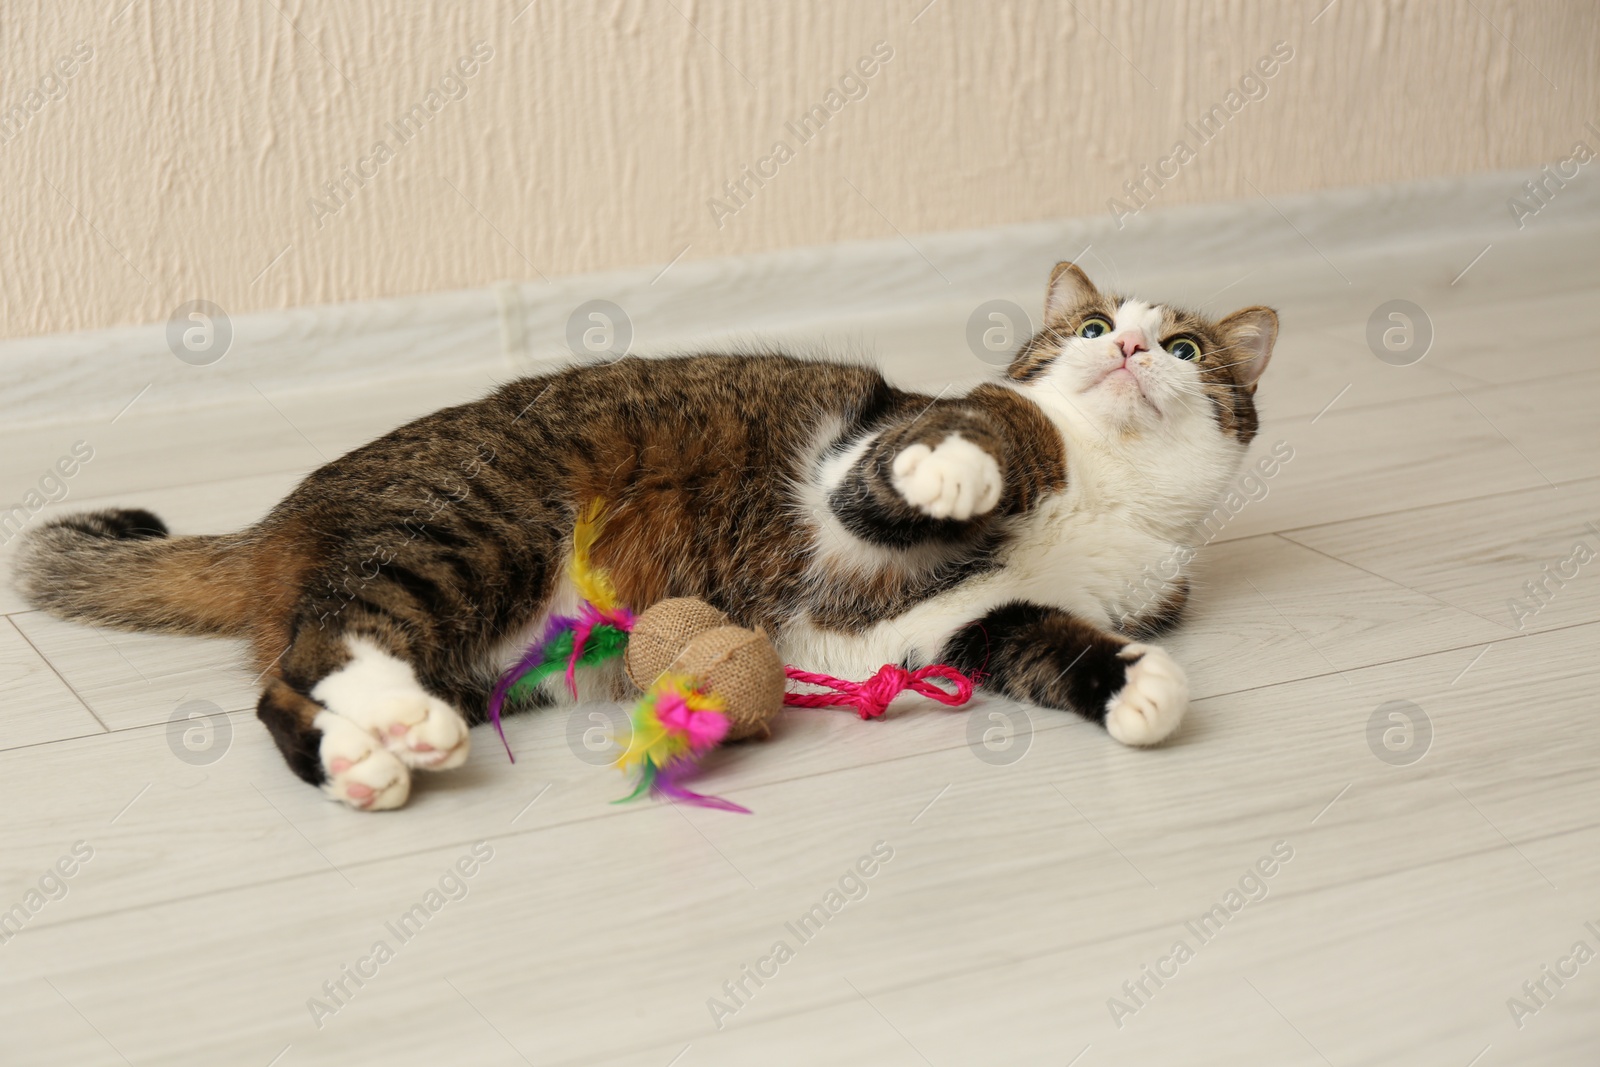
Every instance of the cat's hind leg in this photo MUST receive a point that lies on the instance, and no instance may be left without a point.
(351, 716)
(327, 750)
(1049, 657)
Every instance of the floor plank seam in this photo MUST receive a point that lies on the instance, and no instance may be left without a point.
(1567, 484)
(1167, 925)
(1066, 719)
(46, 661)
(1014, 959)
(826, 773)
(1374, 516)
(1395, 581)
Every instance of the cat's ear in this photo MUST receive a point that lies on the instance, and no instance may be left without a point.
(1069, 288)
(1249, 334)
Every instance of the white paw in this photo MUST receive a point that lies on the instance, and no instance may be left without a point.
(360, 771)
(1152, 702)
(381, 695)
(956, 480)
(421, 730)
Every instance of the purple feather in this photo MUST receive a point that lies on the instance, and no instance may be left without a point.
(666, 784)
(534, 657)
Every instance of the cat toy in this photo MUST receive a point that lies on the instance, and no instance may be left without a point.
(705, 680)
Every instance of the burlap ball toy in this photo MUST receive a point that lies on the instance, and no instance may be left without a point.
(662, 632)
(742, 668)
(704, 680)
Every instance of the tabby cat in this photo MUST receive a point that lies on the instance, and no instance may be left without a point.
(1001, 531)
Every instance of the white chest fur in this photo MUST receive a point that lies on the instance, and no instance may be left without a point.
(1129, 508)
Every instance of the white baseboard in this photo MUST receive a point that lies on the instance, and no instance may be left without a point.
(514, 328)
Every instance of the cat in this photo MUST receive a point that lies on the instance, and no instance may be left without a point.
(856, 523)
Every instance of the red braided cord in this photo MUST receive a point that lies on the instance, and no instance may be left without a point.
(872, 697)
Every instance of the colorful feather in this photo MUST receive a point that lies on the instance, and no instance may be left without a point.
(674, 725)
(594, 584)
(597, 633)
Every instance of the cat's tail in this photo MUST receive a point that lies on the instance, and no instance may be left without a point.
(119, 568)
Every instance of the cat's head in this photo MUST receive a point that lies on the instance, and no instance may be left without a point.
(1123, 366)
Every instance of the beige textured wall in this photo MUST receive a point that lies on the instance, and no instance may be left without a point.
(179, 160)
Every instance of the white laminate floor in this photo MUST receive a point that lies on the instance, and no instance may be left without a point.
(1412, 760)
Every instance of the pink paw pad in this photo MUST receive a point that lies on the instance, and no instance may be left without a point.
(400, 730)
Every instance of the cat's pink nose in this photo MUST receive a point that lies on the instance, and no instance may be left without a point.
(1131, 341)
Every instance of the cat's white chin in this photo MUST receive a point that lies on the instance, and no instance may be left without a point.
(1120, 402)
(1125, 394)
(1119, 377)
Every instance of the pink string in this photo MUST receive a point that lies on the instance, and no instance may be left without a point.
(871, 697)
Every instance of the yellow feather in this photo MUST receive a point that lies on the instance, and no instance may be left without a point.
(644, 741)
(594, 584)
(649, 739)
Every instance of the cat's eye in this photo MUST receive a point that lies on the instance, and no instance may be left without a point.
(1184, 348)
(1093, 326)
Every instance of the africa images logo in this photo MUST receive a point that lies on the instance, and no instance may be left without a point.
(852, 886)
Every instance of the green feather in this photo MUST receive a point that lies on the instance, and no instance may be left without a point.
(605, 642)
(647, 778)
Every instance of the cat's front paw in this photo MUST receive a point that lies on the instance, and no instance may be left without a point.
(956, 480)
(1151, 702)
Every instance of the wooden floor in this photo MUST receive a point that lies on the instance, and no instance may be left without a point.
(1411, 758)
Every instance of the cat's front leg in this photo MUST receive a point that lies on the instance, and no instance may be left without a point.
(1050, 657)
(939, 472)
